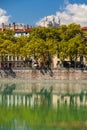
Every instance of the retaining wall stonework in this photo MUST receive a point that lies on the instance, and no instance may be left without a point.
(62, 74)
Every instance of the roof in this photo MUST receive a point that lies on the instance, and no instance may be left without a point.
(27, 30)
(23, 30)
(0, 29)
(84, 28)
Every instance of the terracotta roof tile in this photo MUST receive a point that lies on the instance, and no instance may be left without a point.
(23, 30)
(84, 28)
(0, 29)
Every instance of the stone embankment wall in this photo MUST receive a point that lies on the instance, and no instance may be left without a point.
(62, 74)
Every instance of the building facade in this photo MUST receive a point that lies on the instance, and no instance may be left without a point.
(19, 29)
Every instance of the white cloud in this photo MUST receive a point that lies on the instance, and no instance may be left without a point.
(3, 17)
(71, 13)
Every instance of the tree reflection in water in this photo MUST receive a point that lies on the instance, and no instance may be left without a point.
(43, 109)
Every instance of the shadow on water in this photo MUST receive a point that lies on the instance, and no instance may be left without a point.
(43, 108)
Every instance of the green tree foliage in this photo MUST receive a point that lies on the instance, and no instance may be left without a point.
(65, 42)
(72, 42)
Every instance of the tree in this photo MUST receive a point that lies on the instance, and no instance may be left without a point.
(67, 42)
(5, 48)
(71, 39)
(8, 34)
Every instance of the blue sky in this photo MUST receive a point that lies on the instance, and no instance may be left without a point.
(32, 12)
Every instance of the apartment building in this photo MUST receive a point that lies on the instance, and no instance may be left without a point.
(19, 29)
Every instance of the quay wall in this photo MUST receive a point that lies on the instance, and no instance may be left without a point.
(55, 74)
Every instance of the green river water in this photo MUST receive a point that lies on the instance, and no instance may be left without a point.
(43, 105)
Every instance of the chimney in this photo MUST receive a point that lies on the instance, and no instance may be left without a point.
(27, 26)
(9, 25)
(14, 26)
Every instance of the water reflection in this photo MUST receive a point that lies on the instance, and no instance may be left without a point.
(13, 94)
(43, 105)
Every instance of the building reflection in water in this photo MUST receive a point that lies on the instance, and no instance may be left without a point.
(12, 95)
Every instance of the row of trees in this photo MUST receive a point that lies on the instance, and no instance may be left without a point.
(65, 42)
